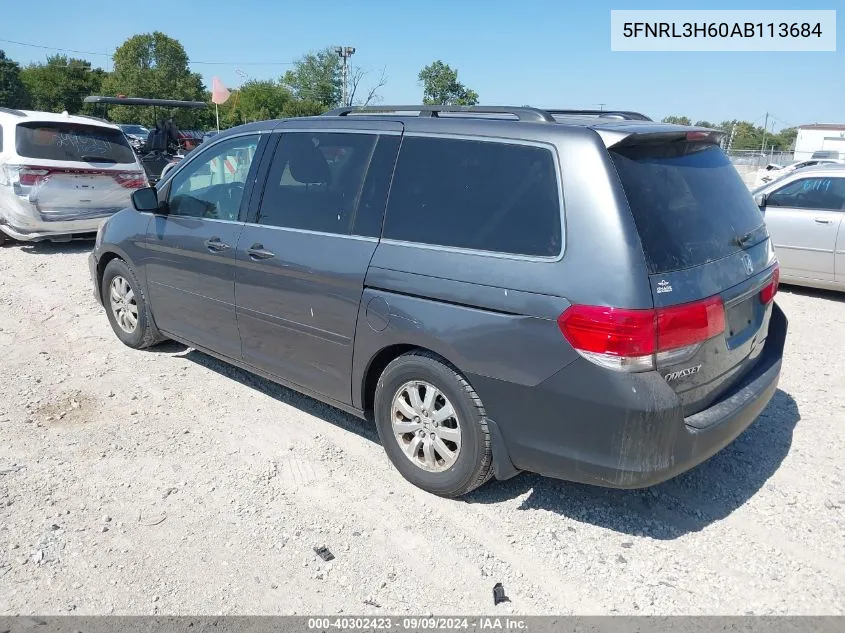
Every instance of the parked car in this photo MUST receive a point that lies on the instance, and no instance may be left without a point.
(60, 175)
(773, 171)
(482, 328)
(804, 212)
(826, 153)
(137, 134)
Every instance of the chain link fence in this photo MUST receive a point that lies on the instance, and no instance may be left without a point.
(748, 162)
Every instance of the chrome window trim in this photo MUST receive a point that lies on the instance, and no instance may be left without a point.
(360, 238)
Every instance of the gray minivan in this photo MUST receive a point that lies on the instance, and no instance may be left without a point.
(588, 296)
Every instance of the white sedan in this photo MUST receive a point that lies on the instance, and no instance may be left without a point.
(804, 212)
(772, 171)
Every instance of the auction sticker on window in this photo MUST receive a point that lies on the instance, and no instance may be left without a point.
(706, 30)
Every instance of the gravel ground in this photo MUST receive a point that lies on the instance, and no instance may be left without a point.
(164, 481)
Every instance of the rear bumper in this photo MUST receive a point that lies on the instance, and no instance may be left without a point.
(22, 220)
(598, 427)
(27, 227)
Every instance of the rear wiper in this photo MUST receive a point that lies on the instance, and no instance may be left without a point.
(742, 240)
(90, 158)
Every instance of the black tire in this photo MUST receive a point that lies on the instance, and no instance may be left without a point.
(4, 239)
(145, 332)
(473, 465)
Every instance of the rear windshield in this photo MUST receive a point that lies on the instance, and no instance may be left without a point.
(688, 202)
(73, 142)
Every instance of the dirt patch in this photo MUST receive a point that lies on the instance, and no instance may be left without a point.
(74, 407)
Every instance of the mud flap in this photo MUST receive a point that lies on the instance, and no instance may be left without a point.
(503, 468)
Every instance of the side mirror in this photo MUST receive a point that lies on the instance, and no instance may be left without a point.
(760, 199)
(146, 200)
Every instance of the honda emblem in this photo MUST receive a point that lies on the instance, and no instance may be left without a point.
(749, 265)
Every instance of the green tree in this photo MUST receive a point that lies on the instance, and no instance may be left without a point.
(746, 135)
(441, 86)
(317, 77)
(258, 100)
(61, 83)
(153, 65)
(254, 101)
(785, 139)
(706, 123)
(303, 107)
(12, 90)
(677, 120)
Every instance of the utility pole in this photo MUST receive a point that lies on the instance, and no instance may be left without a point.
(765, 129)
(345, 52)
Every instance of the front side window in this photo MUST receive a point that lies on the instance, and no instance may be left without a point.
(810, 193)
(316, 181)
(212, 185)
(480, 195)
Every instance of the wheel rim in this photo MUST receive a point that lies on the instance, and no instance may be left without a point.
(123, 304)
(426, 426)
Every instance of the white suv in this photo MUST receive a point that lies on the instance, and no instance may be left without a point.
(60, 175)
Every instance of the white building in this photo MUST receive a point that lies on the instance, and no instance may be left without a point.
(820, 137)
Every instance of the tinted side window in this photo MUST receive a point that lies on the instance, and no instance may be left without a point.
(316, 181)
(481, 195)
(212, 185)
(810, 193)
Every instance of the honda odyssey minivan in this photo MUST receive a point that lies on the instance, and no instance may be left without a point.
(588, 296)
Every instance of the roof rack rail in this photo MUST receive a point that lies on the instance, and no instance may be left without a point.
(521, 113)
(12, 111)
(604, 114)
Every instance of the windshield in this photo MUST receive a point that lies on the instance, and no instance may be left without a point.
(688, 202)
(73, 142)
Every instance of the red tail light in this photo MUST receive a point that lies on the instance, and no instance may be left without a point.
(612, 331)
(30, 176)
(131, 179)
(689, 323)
(634, 340)
(769, 291)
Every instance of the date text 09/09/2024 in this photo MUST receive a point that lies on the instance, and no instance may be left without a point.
(721, 29)
(410, 623)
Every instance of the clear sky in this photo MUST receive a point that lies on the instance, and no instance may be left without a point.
(539, 52)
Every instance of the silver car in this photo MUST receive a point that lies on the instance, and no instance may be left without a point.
(804, 212)
(60, 175)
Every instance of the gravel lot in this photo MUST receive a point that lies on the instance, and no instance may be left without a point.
(164, 481)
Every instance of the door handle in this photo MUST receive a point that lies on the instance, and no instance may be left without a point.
(822, 220)
(257, 251)
(214, 244)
